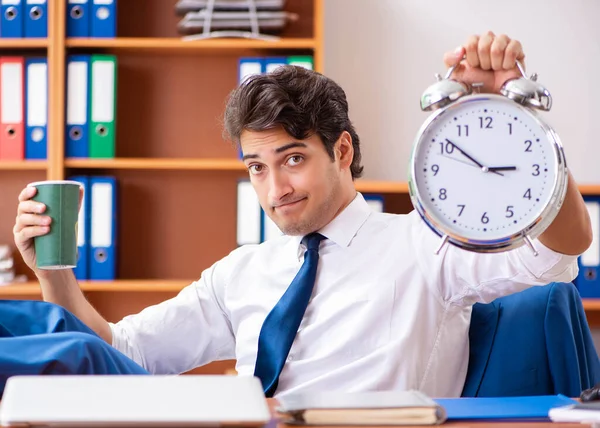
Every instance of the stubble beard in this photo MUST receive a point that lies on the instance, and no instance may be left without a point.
(322, 215)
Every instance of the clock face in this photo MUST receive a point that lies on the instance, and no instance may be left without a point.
(485, 169)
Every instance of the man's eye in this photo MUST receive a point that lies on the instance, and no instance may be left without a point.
(295, 160)
(255, 168)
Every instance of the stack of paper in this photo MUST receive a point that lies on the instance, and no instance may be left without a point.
(232, 15)
(7, 271)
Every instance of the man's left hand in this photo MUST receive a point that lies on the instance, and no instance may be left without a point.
(488, 59)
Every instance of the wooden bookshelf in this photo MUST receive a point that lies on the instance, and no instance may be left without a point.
(177, 178)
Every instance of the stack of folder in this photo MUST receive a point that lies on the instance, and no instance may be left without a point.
(23, 107)
(232, 15)
(97, 229)
(91, 18)
(91, 106)
(24, 18)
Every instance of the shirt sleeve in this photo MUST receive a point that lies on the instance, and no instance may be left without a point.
(464, 277)
(181, 333)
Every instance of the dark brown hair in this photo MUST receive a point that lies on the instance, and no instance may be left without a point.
(303, 102)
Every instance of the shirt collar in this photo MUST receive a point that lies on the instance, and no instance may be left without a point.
(344, 226)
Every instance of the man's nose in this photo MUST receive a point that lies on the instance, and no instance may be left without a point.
(279, 187)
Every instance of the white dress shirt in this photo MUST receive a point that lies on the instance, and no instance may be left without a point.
(386, 312)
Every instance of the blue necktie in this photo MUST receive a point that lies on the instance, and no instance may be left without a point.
(281, 325)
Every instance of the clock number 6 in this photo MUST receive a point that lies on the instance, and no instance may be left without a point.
(484, 218)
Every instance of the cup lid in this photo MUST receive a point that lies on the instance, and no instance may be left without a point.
(47, 182)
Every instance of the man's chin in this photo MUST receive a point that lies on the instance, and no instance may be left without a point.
(295, 229)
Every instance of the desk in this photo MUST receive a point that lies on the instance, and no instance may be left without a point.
(275, 424)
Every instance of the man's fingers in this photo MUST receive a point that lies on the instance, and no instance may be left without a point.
(27, 193)
(497, 51)
(483, 50)
(471, 51)
(29, 206)
(513, 52)
(454, 57)
(26, 220)
(31, 232)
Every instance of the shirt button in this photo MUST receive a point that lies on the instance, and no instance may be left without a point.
(290, 358)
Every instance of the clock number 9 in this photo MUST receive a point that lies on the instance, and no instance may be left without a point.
(435, 169)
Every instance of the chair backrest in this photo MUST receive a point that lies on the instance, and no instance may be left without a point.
(535, 342)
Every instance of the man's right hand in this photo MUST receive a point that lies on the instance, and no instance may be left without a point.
(31, 222)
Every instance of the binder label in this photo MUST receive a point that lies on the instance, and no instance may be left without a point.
(101, 215)
(591, 257)
(12, 93)
(103, 73)
(77, 93)
(37, 97)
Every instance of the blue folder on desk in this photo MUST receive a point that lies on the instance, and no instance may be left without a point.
(531, 408)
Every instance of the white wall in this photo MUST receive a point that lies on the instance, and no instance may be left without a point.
(384, 53)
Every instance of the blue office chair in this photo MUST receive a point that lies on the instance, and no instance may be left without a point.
(42, 338)
(535, 342)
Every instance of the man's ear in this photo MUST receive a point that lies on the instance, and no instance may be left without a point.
(343, 150)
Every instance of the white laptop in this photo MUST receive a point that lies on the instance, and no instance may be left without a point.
(133, 400)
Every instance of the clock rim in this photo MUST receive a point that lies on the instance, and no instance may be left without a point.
(527, 233)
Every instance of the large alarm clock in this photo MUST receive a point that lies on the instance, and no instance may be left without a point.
(487, 173)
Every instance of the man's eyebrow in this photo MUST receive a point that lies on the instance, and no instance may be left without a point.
(290, 146)
(277, 150)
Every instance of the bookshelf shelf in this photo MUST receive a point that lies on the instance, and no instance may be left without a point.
(24, 43)
(23, 165)
(158, 163)
(151, 286)
(367, 186)
(175, 43)
(589, 189)
(591, 304)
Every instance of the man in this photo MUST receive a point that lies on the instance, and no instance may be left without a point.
(385, 312)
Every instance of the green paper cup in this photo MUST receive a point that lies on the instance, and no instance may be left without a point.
(58, 248)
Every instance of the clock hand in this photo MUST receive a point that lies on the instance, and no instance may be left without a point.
(502, 168)
(483, 168)
(465, 154)
(467, 163)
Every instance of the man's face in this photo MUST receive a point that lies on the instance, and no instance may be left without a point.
(297, 182)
